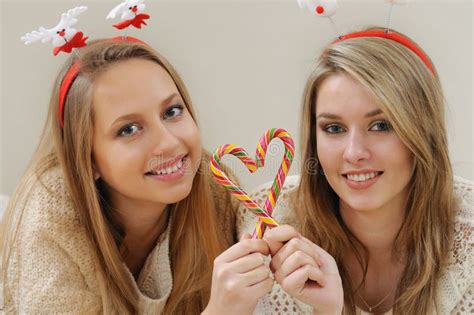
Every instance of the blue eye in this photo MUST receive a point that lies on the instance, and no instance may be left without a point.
(333, 129)
(174, 111)
(128, 130)
(381, 126)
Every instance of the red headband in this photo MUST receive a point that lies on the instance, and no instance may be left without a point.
(399, 38)
(72, 74)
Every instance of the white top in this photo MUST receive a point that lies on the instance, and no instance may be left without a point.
(456, 286)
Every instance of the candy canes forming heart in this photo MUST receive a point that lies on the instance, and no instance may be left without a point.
(264, 215)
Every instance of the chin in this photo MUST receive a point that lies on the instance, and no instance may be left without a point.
(175, 195)
(362, 205)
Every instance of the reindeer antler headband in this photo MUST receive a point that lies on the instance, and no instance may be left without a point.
(65, 39)
(327, 8)
(63, 36)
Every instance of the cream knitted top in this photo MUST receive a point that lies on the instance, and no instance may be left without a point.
(52, 269)
(456, 286)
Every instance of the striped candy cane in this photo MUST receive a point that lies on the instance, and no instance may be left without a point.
(264, 215)
(279, 180)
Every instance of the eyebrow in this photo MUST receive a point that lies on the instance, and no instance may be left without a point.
(373, 113)
(135, 115)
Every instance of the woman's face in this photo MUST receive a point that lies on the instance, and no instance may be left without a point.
(146, 145)
(363, 159)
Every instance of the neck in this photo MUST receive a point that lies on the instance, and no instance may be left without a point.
(143, 223)
(140, 219)
(376, 229)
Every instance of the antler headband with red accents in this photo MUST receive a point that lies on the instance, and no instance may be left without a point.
(63, 36)
(130, 12)
(327, 8)
(65, 39)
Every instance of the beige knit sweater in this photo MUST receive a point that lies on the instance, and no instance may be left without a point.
(456, 287)
(52, 269)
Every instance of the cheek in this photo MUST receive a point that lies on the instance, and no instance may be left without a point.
(105, 153)
(99, 158)
(189, 133)
(103, 162)
(328, 153)
(403, 160)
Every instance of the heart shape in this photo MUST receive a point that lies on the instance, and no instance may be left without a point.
(264, 215)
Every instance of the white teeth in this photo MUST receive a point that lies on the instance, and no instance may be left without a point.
(361, 177)
(169, 170)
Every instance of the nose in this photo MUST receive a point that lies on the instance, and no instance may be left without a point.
(134, 9)
(164, 141)
(356, 148)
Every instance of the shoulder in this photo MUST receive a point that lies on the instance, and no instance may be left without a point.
(49, 222)
(458, 280)
(464, 193)
(462, 254)
(52, 264)
(246, 220)
(49, 217)
(48, 202)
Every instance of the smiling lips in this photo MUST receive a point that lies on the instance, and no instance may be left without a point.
(361, 179)
(171, 167)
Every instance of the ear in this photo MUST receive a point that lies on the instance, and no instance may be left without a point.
(95, 172)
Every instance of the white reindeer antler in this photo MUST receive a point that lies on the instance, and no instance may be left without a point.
(42, 34)
(45, 35)
(69, 18)
(118, 9)
(123, 9)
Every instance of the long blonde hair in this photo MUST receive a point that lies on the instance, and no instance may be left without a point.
(193, 245)
(411, 96)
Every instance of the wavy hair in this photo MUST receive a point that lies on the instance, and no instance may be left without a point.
(411, 97)
(193, 245)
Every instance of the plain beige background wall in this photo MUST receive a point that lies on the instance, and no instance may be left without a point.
(244, 62)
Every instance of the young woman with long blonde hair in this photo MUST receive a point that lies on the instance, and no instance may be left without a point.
(116, 212)
(376, 191)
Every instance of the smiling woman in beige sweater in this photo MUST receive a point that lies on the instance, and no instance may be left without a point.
(116, 213)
